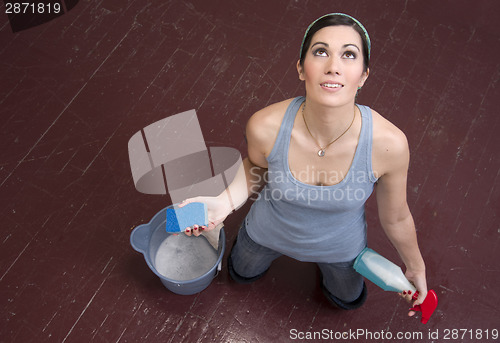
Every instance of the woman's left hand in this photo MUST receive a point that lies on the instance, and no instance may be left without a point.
(417, 278)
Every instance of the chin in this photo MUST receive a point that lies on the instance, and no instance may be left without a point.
(333, 100)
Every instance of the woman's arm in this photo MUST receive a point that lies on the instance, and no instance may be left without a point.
(250, 176)
(260, 133)
(394, 213)
(248, 180)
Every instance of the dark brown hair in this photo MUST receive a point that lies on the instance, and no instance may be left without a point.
(337, 20)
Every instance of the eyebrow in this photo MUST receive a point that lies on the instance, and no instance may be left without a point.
(344, 46)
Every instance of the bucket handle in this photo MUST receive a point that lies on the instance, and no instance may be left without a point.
(219, 268)
(139, 238)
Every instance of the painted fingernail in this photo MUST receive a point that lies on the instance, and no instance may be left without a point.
(409, 292)
(196, 228)
(187, 230)
(404, 292)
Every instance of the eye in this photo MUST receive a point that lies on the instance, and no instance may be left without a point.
(349, 54)
(320, 52)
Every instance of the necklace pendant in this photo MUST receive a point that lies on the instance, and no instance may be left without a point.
(321, 153)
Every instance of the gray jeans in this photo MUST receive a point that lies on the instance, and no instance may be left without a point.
(341, 283)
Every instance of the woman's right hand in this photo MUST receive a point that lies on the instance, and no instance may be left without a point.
(217, 211)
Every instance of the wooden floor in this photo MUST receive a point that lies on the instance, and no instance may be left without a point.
(75, 89)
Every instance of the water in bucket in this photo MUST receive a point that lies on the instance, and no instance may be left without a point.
(181, 258)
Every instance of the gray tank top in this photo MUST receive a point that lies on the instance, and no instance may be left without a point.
(313, 223)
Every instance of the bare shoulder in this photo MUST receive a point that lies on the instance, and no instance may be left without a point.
(269, 117)
(390, 146)
(262, 130)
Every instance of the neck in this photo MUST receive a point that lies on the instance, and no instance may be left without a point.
(326, 123)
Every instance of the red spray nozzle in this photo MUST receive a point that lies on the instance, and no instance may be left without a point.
(427, 307)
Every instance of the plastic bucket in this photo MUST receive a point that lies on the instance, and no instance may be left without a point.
(178, 260)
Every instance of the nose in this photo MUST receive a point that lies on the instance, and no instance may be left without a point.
(333, 66)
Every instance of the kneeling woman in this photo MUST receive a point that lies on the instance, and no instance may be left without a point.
(323, 154)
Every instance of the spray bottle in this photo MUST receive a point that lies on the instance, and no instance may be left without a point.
(390, 277)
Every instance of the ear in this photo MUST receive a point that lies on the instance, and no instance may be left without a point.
(364, 77)
(300, 70)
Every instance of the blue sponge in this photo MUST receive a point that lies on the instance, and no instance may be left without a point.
(179, 218)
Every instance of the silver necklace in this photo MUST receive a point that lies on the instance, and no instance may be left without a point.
(322, 150)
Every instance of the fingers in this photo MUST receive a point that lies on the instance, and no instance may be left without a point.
(195, 230)
(188, 201)
(406, 295)
(421, 297)
(185, 202)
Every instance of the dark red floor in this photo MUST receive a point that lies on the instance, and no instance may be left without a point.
(75, 89)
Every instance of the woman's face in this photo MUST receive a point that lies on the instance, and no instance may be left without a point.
(333, 66)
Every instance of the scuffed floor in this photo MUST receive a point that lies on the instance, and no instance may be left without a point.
(75, 89)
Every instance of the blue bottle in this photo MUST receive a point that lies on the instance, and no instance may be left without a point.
(382, 272)
(390, 277)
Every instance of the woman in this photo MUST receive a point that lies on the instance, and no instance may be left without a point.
(323, 154)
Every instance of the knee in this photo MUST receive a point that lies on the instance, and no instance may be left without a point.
(346, 305)
(241, 276)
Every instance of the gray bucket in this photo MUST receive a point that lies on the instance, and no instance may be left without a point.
(185, 265)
